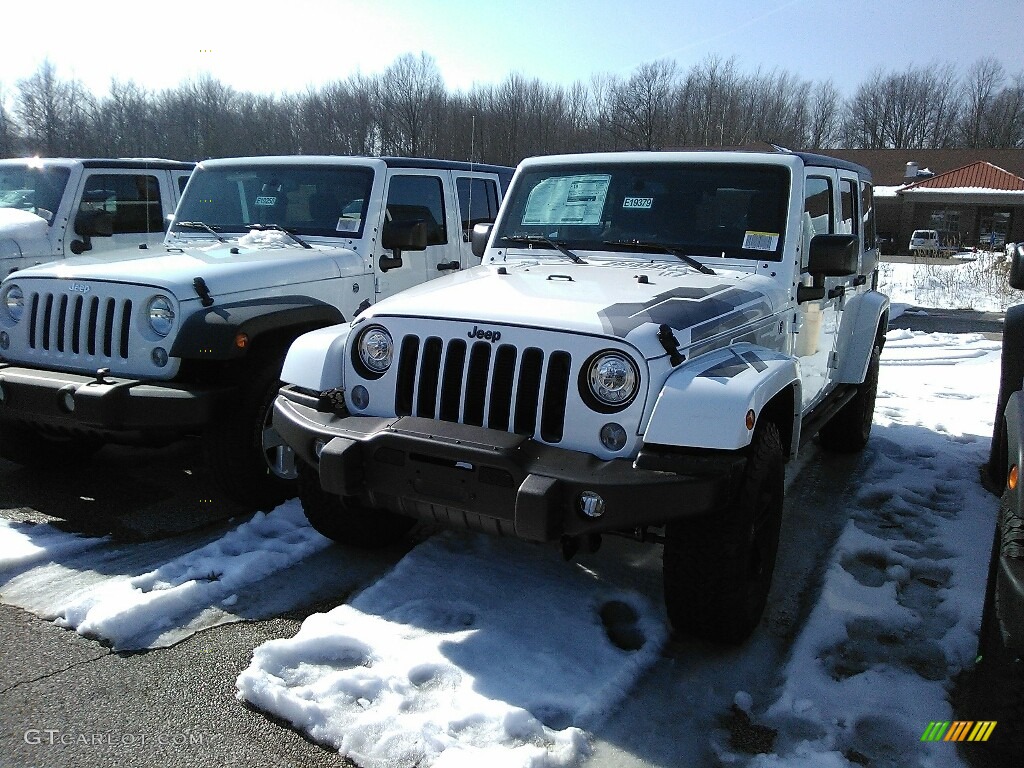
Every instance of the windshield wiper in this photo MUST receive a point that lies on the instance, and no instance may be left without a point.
(652, 246)
(200, 225)
(540, 239)
(279, 228)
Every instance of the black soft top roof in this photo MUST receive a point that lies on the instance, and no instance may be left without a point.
(810, 158)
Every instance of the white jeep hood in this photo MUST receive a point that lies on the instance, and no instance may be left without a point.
(225, 273)
(20, 232)
(628, 299)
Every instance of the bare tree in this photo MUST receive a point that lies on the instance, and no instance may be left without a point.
(825, 113)
(642, 105)
(983, 82)
(412, 94)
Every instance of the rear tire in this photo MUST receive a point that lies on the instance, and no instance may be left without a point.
(848, 430)
(717, 569)
(345, 520)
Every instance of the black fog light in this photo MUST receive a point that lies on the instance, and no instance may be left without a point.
(159, 357)
(360, 397)
(613, 436)
(591, 504)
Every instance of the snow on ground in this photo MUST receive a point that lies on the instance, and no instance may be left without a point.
(900, 604)
(976, 281)
(478, 651)
(88, 587)
(471, 652)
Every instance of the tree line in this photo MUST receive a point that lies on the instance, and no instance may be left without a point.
(407, 110)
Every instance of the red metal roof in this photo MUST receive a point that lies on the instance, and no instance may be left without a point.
(979, 175)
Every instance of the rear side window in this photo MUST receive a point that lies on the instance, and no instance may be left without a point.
(478, 202)
(867, 208)
(848, 219)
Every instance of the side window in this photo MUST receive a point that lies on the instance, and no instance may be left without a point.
(418, 198)
(134, 201)
(867, 207)
(182, 181)
(848, 223)
(478, 202)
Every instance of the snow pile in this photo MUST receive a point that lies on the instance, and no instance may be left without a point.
(190, 591)
(473, 651)
(898, 614)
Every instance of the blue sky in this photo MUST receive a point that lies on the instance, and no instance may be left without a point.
(288, 45)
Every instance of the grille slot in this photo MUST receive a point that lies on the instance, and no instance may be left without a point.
(76, 325)
(477, 384)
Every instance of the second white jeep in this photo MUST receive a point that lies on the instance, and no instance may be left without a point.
(648, 340)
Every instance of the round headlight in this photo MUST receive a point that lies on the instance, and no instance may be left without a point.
(613, 379)
(14, 303)
(161, 315)
(376, 349)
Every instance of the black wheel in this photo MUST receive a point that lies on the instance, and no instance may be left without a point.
(346, 521)
(717, 569)
(848, 430)
(27, 447)
(250, 462)
(999, 675)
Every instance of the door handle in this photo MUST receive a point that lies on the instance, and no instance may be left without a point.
(444, 266)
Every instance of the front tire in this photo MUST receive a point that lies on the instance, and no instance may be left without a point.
(250, 462)
(717, 569)
(999, 674)
(345, 520)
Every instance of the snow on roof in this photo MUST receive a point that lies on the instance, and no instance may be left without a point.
(978, 176)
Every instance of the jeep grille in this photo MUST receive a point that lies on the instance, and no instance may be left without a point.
(500, 387)
(80, 325)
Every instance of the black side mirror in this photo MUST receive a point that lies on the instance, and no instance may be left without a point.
(834, 255)
(481, 234)
(1015, 251)
(830, 256)
(90, 224)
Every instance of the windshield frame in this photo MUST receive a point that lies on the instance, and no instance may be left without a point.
(586, 207)
(57, 177)
(255, 193)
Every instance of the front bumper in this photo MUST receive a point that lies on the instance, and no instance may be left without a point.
(489, 480)
(115, 407)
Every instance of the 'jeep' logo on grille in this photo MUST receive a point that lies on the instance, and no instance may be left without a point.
(480, 333)
(79, 288)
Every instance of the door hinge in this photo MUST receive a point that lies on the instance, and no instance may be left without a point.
(833, 359)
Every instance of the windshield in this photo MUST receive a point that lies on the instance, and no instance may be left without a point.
(699, 209)
(34, 189)
(329, 201)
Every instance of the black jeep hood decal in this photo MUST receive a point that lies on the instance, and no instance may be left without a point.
(682, 308)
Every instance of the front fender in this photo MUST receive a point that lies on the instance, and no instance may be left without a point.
(704, 403)
(316, 360)
(210, 333)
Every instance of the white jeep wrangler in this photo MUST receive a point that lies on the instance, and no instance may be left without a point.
(144, 346)
(53, 208)
(649, 338)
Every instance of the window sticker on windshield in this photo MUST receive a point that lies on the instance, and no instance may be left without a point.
(347, 225)
(572, 200)
(266, 201)
(760, 241)
(638, 202)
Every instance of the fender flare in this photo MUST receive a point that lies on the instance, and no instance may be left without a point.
(210, 333)
(316, 360)
(858, 332)
(704, 402)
